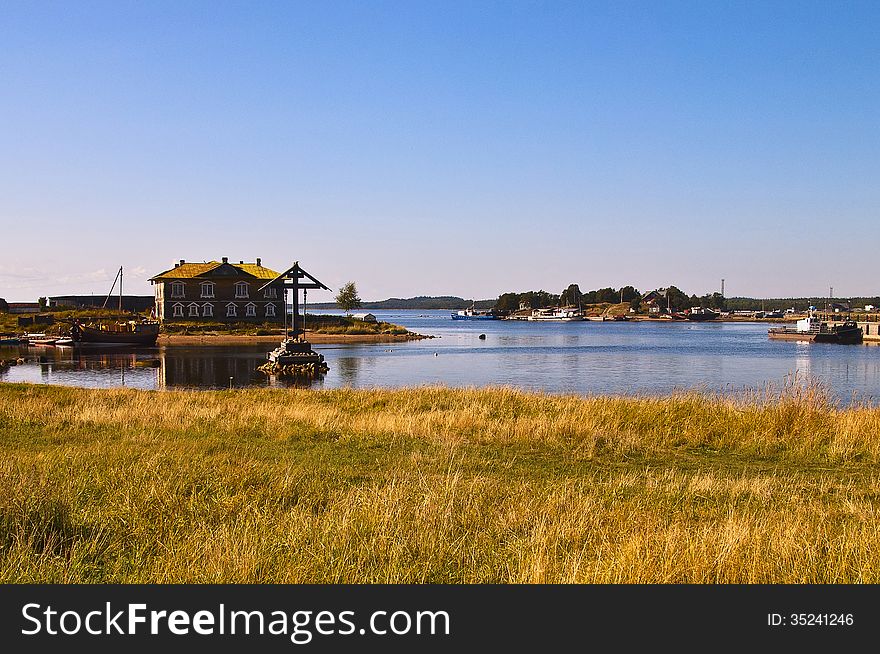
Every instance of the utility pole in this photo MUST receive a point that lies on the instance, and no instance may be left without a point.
(722, 287)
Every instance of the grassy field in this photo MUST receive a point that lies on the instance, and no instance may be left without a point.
(435, 485)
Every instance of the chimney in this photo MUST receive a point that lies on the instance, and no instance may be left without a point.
(240, 262)
(258, 261)
(225, 259)
(182, 261)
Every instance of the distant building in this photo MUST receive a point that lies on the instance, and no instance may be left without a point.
(136, 303)
(366, 317)
(4, 306)
(23, 307)
(656, 301)
(218, 291)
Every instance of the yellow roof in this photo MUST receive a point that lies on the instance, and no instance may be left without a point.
(257, 271)
(189, 270)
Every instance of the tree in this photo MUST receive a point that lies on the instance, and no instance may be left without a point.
(507, 302)
(571, 296)
(630, 294)
(347, 298)
(678, 301)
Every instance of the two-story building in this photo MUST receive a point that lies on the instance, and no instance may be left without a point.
(218, 291)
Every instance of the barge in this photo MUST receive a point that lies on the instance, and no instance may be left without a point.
(814, 330)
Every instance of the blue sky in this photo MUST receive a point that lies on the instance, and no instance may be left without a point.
(464, 148)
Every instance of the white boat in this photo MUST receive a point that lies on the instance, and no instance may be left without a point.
(557, 315)
(473, 314)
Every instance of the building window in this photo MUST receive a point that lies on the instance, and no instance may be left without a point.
(207, 289)
(178, 310)
(178, 289)
(271, 291)
(270, 310)
(241, 289)
(250, 309)
(208, 310)
(194, 310)
(231, 311)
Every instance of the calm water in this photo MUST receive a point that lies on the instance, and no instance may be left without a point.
(585, 357)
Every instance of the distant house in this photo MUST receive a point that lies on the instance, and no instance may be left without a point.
(838, 307)
(366, 317)
(24, 307)
(656, 301)
(218, 291)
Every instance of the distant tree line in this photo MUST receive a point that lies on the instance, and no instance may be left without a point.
(570, 296)
(671, 296)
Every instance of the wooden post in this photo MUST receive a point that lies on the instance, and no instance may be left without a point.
(294, 319)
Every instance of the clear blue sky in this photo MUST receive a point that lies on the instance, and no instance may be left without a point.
(444, 148)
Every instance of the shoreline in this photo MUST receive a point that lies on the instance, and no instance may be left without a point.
(172, 340)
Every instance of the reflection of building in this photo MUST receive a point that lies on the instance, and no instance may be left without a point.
(219, 291)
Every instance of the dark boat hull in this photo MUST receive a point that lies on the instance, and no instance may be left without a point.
(846, 336)
(145, 335)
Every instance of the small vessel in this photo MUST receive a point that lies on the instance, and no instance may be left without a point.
(813, 329)
(122, 332)
(700, 314)
(9, 340)
(562, 314)
(42, 341)
(130, 332)
(472, 314)
(66, 341)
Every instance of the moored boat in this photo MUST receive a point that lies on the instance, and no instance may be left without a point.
(131, 332)
(813, 329)
(557, 315)
(700, 314)
(473, 314)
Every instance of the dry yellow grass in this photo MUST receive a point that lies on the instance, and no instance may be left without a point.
(435, 485)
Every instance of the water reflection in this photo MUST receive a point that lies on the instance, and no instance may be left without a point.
(348, 369)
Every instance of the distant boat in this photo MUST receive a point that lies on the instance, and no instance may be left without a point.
(557, 315)
(9, 340)
(814, 330)
(472, 314)
(65, 341)
(699, 313)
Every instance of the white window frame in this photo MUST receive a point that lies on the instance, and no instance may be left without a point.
(207, 289)
(270, 292)
(238, 290)
(178, 290)
(270, 310)
(193, 310)
(250, 310)
(207, 310)
(177, 310)
(231, 310)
